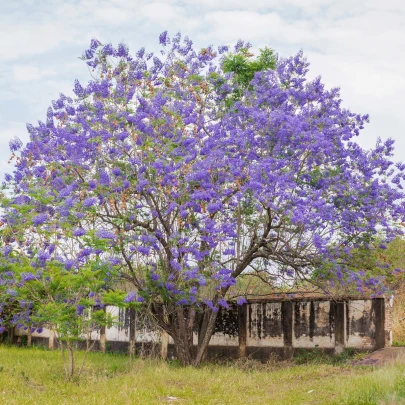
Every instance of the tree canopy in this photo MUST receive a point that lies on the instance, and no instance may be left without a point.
(183, 171)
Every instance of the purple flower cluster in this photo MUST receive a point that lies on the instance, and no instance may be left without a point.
(105, 234)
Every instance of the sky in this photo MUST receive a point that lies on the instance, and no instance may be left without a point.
(357, 45)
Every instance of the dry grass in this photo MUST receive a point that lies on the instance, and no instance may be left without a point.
(398, 317)
(35, 376)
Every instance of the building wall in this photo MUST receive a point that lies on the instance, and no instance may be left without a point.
(265, 324)
(262, 327)
(314, 325)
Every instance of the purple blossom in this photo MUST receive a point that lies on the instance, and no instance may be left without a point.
(122, 136)
(92, 184)
(79, 232)
(145, 250)
(80, 309)
(105, 234)
(69, 263)
(182, 301)
(104, 178)
(210, 305)
(175, 264)
(7, 250)
(122, 50)
(202, 281)
(116, 171)
(222, 302)
(163, 38)
(94, 44)
(89, 202)
(115, 261)
(130, 297)
(214, 207)
(28, 277)
(15, 144)
(40, 219)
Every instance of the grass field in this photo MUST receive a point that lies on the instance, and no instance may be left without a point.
(36, 376)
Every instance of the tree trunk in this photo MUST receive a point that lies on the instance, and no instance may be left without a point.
(182, 333)
(179, 323)
(10, 335)
(205, 334)
(51, 339)
(71, 359)
(103, 340)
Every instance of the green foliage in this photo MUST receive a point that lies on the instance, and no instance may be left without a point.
(244, 68)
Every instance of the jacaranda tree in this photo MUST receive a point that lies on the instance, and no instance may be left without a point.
(186, 170)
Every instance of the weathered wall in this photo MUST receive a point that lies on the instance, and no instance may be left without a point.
(263, 327)
(265, 324)
(314, 324)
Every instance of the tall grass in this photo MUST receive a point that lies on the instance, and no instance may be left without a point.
(35, 376)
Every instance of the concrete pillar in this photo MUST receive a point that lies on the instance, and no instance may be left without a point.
(340, 325)
(287, 321)
(378, 310)
(242, 326)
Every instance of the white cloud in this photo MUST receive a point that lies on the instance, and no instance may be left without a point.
(28, 73)
(254, 26)
(26, 39)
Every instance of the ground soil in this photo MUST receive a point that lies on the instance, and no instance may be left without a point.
(381, 357)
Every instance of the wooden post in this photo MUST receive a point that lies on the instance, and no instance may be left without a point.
(242, 329)
(132, 332)
(164, 344)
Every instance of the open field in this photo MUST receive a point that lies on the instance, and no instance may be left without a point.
(35, 376)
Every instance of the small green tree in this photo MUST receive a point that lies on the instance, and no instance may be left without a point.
(67, 302)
